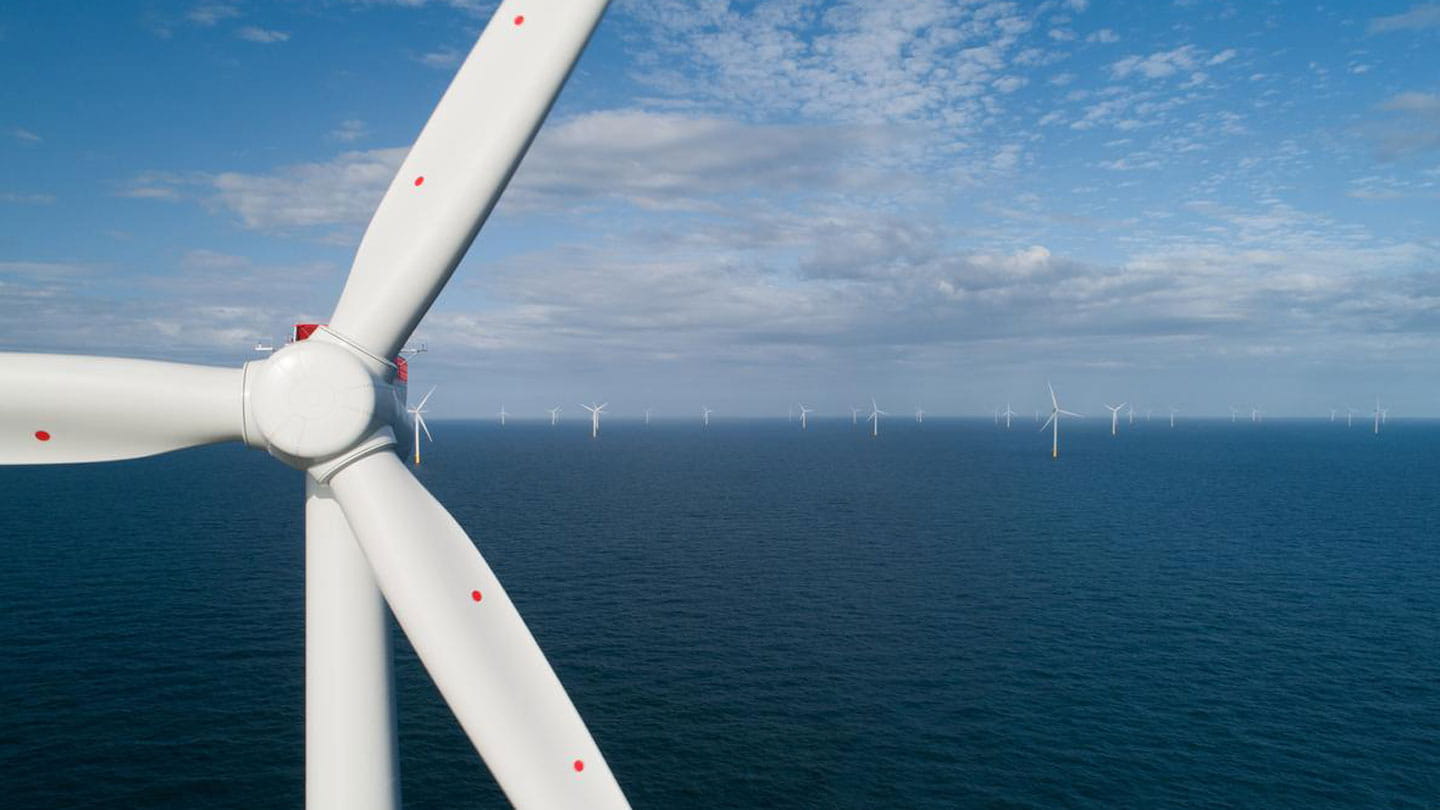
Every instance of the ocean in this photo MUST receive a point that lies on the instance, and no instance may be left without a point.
(750, 616)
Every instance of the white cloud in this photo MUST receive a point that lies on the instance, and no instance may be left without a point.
(264, 36)
(1426, 15)
(24, 136)
(441, 60)
(19, 198)
(1158, 65)
(210, 14)
(349, 131)
(1104, 36)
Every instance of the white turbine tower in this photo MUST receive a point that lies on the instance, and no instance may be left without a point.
(1008, 413)
(1131, 412)
(330, 403)
(1256, 414)
(1115, 416)
(554, 415)
(1055, 413)
(417, 418)
(595, 411)
(705, 415)
(503, 414)
(1349, 416)
(1173, 410)
(919, 414)
(647, 415)
(874, 418)
(1333, 411)
(1378, 415)
(1234, 414)
(804, 412)
(855, 415)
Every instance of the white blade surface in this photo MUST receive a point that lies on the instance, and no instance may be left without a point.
(473, 642)
(60, 408)
(459, 166)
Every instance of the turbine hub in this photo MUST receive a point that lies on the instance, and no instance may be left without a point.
(311, 401)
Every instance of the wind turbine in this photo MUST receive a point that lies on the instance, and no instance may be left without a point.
(1235, 413)
(855, 415)
(790, 414)
(1378, 414)
(1332, 414)
(330, 404)
(1115, 416)
(417, 415)
(1055, 413)
(705, 414)
(595, 411)
(554, 415)
(1256, 414)
(1007, 413)
(874, 418)
(804, 412)
(1132, 415)
(647, 415)
(919, 414)
(1173, 410)
(503, 414)
(1349, 416)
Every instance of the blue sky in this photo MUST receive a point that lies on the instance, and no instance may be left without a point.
(745, 204)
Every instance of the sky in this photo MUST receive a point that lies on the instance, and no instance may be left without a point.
(1190, 203)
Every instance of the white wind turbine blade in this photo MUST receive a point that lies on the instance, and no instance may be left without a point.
(420, 420)
(458, 167)
(473, 642)
(425, 399)
(1069, 413)
(1055, 403)
(60, 408)
(1048, 421)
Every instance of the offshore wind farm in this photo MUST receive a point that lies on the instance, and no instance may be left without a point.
(693, 216)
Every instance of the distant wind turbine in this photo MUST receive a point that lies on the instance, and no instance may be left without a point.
(1007, 413)
(1378, 414)
(1132, 415)
(1173, 410)
(1349, 416)
(855, 415)
(1055, 413)
(1256, 415)
(804, 412)
(595, 411)
(1332, 414)
(417, 415)
(554, 415)
(503, 414)
(705, 414)
(874, 418)
(1115, 416)
(919, 414)
(790, 414)
(1234, 414)
(647, 415)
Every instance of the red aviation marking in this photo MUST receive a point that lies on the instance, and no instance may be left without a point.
(519, 19)
(42, 435)
(420, 181)
(476, 595)
(579, 765)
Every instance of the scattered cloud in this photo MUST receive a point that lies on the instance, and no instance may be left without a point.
(1426, 15)
(210, 14)
(264, 36)
(18, 198)
(1104, 36)
(24, 136)
(442, 60)
(349, 131)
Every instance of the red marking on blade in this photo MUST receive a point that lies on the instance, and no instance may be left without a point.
(420, 181)
(476, 595)
(579, 765)
(42, 435)
(520, 19)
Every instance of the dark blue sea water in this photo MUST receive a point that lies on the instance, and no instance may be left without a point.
(751, 617)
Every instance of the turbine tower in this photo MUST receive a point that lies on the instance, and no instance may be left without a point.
(705, 414)
(804, 412)
(647, 415)
(1008, 413)
(1349, 416)
(331, 403)
(417, 418)
(1378, 414)
(1234, 414)
(1115, 416)
(874, 418)
(554, 415)
(1173, 410)
(503, 414)
(595, 411)
(855, 415)
(919, 414)
(1055, 413)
